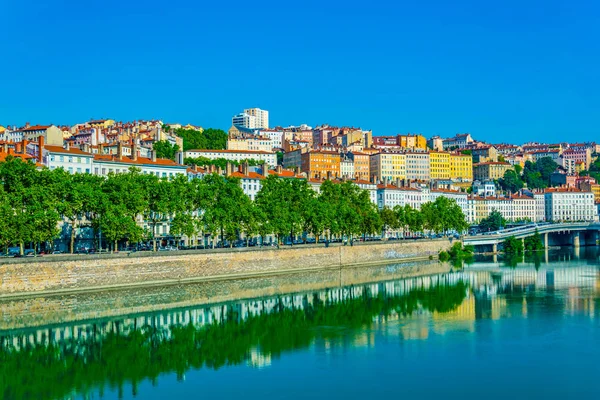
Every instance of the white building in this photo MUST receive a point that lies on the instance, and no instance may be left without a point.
(234, 155)
(244, 120)
(162, 168)
(417, 166)
(71, 160)
(484, 189)
(564, 204)
(347, 168)
(252, 118)
(276, 137)
(261, 116)
(391, 196)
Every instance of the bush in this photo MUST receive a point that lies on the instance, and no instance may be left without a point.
(513, 246)
(444, 256)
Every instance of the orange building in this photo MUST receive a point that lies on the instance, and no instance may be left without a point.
(324, 164)
(362, 170)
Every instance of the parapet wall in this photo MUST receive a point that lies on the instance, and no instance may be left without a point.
(44, 276)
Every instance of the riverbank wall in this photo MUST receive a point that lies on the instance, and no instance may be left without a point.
(43, 276)
(38, 311)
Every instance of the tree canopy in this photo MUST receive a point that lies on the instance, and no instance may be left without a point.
(209, 139)
(164, 149)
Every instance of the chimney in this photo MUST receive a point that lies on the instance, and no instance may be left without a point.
(153, 155)
(67, 145)
(245, 168)
(5, 147)
(25, 143)
(265, 169)
(40, 148)
(120, 151)
(100, 149)
(279, 169)
(328, 175)
(195, 168)
(134, 151)
(27, 124)
(229, 168)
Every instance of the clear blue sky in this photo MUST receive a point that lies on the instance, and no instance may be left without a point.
(504, 71)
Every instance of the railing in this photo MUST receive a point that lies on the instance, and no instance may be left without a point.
(527, 230)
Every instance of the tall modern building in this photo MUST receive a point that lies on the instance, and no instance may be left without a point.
(252, 118)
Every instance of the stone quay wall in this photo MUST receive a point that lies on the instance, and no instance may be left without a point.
(40, 276)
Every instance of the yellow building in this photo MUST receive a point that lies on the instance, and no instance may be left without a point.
(412, 141)
(490, 170)
(2, 129)
(461, 167)
(388, 165)
(101, 123)
(439, 165)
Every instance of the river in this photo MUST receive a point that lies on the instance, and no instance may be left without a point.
(491, 329)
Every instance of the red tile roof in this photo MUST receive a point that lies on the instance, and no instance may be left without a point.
(72, 150)
(36, 128)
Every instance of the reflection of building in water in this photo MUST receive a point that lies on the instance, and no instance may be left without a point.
(483, 302)
(416, 328)
(258, 359)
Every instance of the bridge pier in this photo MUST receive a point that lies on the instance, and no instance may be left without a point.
(545, 240)
(495, 248)
(576, 240)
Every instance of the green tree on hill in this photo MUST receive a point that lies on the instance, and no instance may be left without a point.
(164, 149)
(209, 139)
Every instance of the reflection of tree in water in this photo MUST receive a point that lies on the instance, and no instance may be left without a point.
(54, 371)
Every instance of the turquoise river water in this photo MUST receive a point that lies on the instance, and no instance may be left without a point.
(490, 330)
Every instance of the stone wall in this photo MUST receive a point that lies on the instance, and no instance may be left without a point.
(39, 276)
(29, 312)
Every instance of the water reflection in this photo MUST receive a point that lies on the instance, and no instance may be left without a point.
(58, 361)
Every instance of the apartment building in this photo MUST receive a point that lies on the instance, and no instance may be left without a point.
(439, 165)
(569, 204)
(387, 165)
(461, 167)
(362, 165)
(417, 166)
(252, 118)
(490, 170)
(410, 141)
(485, 153)
(253, 143)
(320, 163)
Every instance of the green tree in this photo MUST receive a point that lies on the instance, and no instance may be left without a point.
(513, 246)
(442, 215)
(511, 181)
(210, 139)
(493, 222)
(164, 149)
(389, 219)
(284, 204)
(534, 242)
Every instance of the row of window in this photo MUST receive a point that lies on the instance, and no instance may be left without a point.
(70, 159)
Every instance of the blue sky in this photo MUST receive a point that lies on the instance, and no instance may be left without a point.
(504, 71)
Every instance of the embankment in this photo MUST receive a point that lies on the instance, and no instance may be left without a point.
(41, 276)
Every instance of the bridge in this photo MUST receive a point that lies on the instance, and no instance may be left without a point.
(553, 234)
